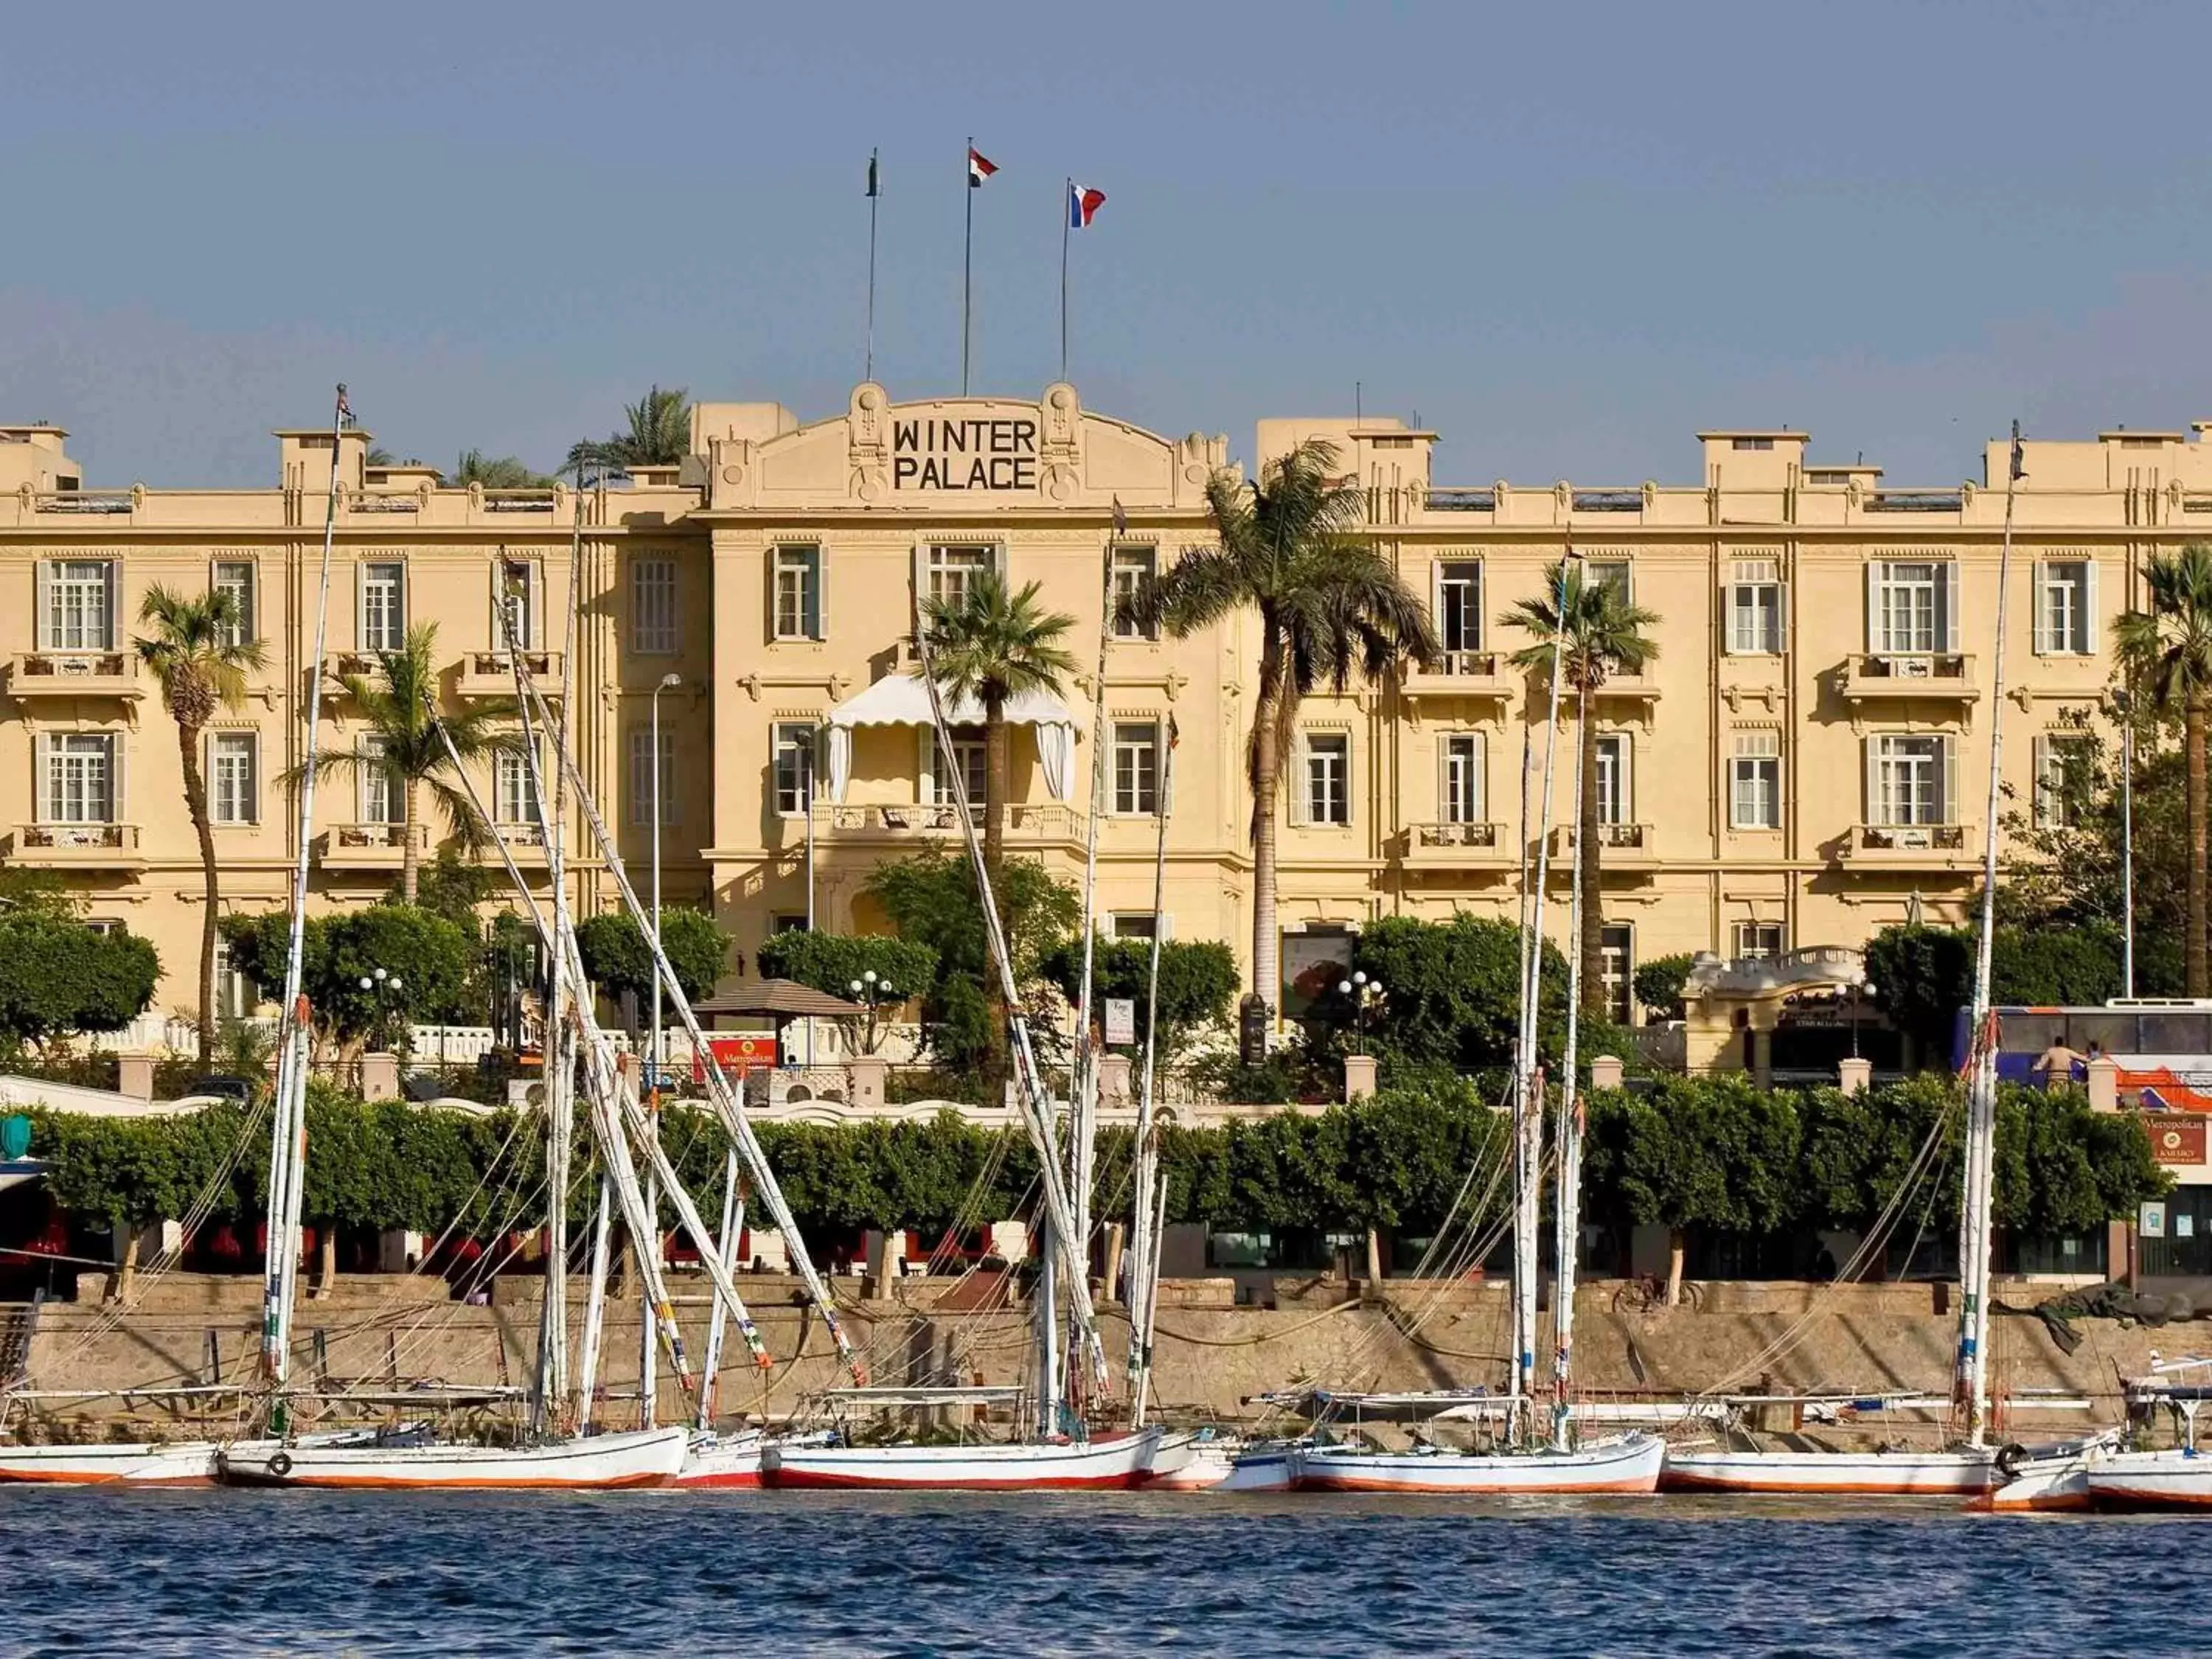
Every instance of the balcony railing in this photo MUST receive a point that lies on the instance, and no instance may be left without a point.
(100, 501)
(491, 673)
(73, 843)
(520, 836)
(371, 846)
(1937, 843)
(1622, 843)
(1459, 674)
(1905, 675)
(1447, 845)
(74, 674)
(1444, 500)
(1025, 821)
(1914, 501)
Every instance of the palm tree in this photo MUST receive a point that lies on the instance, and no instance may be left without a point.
(1602, 635)
(494, 472)
(398, 712)
(2166, 651)
(990, 647)
(198, 654)
(659, 434)
(1330, 607)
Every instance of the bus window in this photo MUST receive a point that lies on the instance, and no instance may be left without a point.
(2180, 1033)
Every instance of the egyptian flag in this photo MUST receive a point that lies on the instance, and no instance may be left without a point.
(1082, 203)
(980, 167)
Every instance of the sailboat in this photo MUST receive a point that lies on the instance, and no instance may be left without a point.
(1532, 1461)
(1971, 1467)
(1059, 1453)
(2176, 1477)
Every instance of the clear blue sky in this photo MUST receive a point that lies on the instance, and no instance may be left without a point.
(1566, 236)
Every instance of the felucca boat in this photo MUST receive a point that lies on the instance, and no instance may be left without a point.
(2177, 1478)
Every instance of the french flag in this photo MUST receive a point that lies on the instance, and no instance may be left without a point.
(1082, 203)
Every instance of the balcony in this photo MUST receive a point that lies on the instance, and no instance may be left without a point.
(484, 675)
(76, 846)
(1623, 846)
(1460, 847)
(1461, 674)
(1910, 676)
(1637, 688)
(75, 674)
(1914, 847)
(1029, 825)
(371, 846)
(350, 665)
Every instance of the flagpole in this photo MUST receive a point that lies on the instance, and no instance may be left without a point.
(1066, 217)
(967, 257)
(869, 373)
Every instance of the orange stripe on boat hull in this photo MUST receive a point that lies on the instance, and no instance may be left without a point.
(404, 1483)
(14, 1477)
(786, 1481)
(1670, 1481)
(751, 1481)
(2153, 1497)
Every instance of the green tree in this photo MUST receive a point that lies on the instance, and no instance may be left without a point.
(431, 956)
(1658, 985)
(494, 472)
(1198, 980)
(618, 959)
(398, 712)
(988, 647)
(1451, 992)
(59, 976)
(1331, 609)
(833, 963)
(1922, 977)
(1599, 634)
(656, 432)
(197, 650)
(2165, 654)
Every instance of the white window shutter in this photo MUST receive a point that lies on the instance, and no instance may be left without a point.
(1300, 784)
(920, 579)
(1731, 597)
(2043, 794)
(1876, 637)
(926, 767)
(1437, 596)
(1164, 924)
(403, 606)
(1162, 771)
(1627, 779)
(817, 605)
(42, 779)
(1950, 570)
(1950, 753)
(114, 605)
(1781, 615)
(360, 606)
(42, 630)
(2040, 607)
(2089, 607)
(119, 799)
(1872, 749)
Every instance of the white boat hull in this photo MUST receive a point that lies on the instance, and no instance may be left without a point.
(187, 1463)
(1122, 1461)
(1186, 1463)
(648, 1458)
(723, 1460)
(2175, 1479)
(1959, 1473)
(1628, 1464)
(1263, 1469)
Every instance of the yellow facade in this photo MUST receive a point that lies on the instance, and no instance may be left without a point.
(1805, 760)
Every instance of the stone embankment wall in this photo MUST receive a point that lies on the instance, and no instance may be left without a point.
(377, 1336)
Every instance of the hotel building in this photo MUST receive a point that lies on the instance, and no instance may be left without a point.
(1802, 763)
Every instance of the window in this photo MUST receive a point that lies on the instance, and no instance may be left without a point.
(235, 995)
(80, 778)
(236, 578)
(1616, 957)
(2062, 779)
(518, 603)
(653, 607)
(80, 605)
(1909, 780)
(1757, 941)
(1462, 778)
(514, 799)
(790, 922)
(1755, 782)
(642, 775)
(234, 795)
(953, 571)
(379, 795)
(1131, 924)
(1136, 767)
(1912, 606)
(1755, 608)
(794, 768)
(1133, 569)
(1618, 574)
(2066, 607)
(1751, 443)
(969, 754)
(383, 607)
(1459, 606)
(1327, 796)
(797, 613)
(1616, 794)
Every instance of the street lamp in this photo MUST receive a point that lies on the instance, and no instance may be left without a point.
(876, 993)
(1363, 994)
(379, 981)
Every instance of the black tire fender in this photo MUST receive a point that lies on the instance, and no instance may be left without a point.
(2008, 1459)
(280, 1464)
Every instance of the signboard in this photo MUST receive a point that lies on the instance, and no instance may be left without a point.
(933, 453)
(737, 1054)
(1120, 1019)
(2175, 1142)
(2152, 1223)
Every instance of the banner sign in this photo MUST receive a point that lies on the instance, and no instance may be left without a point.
(736, 1056)
(1120, 1019)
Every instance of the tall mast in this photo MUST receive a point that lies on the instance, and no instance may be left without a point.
(1527, 1095)
(733, 1224)
(1148, 1211)
(287, 1148)
(1566, 1198)
(1973, 1358)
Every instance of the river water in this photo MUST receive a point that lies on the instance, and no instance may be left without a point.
(767, 1575)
